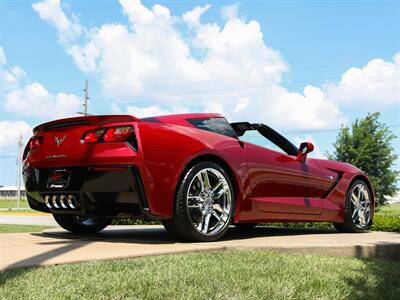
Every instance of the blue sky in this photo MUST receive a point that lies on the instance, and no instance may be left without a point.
(304, 67)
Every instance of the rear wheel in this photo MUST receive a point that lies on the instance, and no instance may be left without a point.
(357, 212)
(204, 204)
(81, 224)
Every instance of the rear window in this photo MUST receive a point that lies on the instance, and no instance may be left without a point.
(216, 125)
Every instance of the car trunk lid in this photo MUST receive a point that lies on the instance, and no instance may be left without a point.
(60, 140)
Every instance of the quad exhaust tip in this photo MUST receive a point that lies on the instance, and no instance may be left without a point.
(54, 200)
(62, 201)
(47, 201)
(72, 202)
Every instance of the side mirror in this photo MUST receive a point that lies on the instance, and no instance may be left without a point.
(304, 149)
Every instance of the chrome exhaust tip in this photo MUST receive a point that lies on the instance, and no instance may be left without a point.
(47, 201)
(63, 201)
(54, 200)
(72, 202)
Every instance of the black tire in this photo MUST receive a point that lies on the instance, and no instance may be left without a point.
(77, 224)
(182, 224)
(349, 225)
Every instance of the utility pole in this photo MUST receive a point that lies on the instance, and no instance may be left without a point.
(86, 98)
(19, 171)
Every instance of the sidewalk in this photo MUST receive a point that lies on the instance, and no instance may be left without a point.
(55, 246)
(27, 219)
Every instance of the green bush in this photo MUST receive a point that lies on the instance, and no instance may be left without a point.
(129, 221)
(390, 223)
(316, 225)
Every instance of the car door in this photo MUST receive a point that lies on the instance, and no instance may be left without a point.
(280, 183)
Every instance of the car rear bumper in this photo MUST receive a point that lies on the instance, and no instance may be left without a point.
(90, 190)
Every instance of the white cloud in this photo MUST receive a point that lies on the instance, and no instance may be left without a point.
(230, 11)
(12, 76)
(115, 109)
(10, 132)
(86, 58)
(153, 59)
(51, 11)
(376, 85)
(309, 109)
(33, 100)
(152, 110)
(2, 57)
(192, 17)
(181, 61)
(241, 104)
(136, 12)
(149, 111)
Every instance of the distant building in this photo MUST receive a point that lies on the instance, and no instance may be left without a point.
(394, 199)
(11, 192)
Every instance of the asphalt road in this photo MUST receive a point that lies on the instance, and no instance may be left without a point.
(27, 220)
(56, 246)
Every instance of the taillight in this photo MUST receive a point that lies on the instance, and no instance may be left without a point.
(110, 134)
(34, 143)
(117, 134)
(92, 136)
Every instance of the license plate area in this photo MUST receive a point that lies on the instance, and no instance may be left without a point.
(59, 179)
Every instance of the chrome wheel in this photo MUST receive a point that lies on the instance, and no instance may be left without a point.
(209, 201)
(360, 206)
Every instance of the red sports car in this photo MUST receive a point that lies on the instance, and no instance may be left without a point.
(195, 172)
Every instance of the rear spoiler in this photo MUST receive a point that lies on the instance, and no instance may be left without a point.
(87, 120)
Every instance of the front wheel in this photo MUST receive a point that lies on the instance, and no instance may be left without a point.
(81, 224)
(357, 211)
(204, 204)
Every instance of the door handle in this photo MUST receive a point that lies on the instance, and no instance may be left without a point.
(241, 144)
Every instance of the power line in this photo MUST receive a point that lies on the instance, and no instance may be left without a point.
(239, 70)
(189, 79)
(206, 92)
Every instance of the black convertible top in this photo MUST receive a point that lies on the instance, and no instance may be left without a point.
(241, 127)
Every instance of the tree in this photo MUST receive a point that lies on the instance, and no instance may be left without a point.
(368, 146)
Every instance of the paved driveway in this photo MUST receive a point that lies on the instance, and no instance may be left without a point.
(27, 220)
(55, 246)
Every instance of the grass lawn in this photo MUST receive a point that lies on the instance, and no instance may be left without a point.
(6, 228)
(216, 275)
(12, 203)
(391, 209)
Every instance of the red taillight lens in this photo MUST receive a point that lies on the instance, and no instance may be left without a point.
(117, 134)
(110, 134)
(34, 143)
(92, 136)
